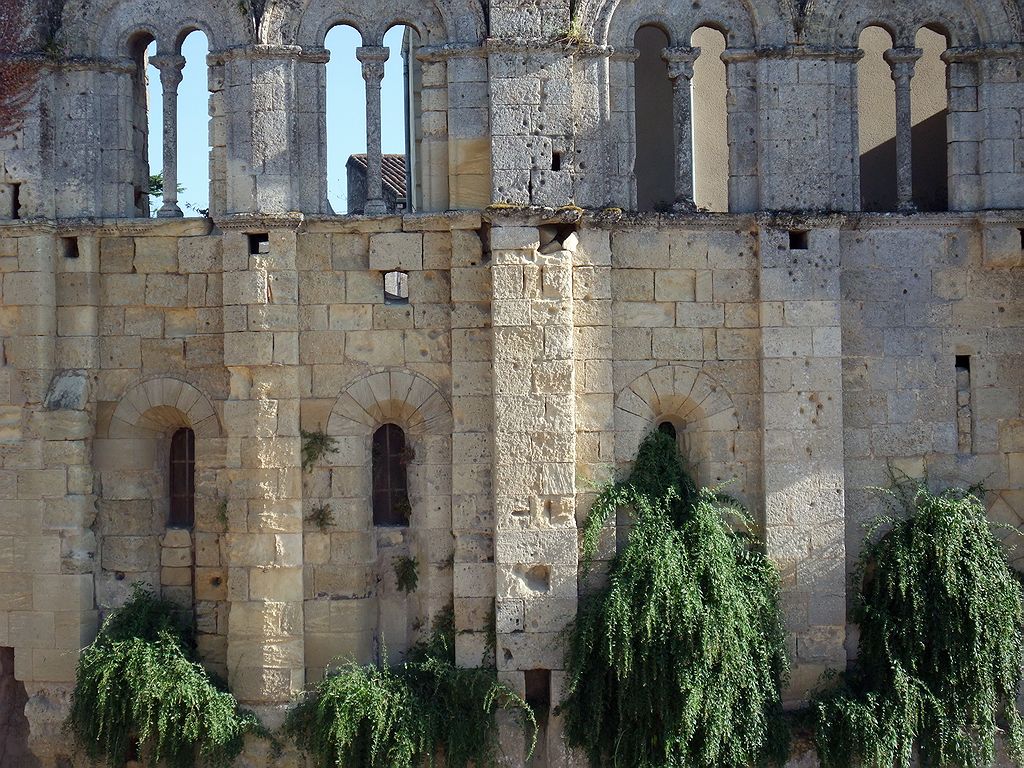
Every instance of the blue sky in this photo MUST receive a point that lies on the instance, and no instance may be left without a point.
(346, 120)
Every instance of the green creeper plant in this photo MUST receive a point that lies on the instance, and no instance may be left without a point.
(426, 711)
(406, 573)
(680, 659)
(315, 445)
(322, 516)
(939, 664)
(138, 683)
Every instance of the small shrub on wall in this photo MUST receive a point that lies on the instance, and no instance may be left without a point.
(138, 688)
(424, 712)
(681, 659)
(939, 664)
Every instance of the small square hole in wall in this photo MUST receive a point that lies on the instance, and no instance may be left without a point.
(963, 362)
(396, 288)
(259, 242)
(799, 239)
(70, 246)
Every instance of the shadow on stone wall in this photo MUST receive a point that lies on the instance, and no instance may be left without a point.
(14, 751)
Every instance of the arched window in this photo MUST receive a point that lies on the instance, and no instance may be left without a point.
(876, 115)
(655, 137)
(667, 428)
(390, 477)
(710, 118)
(182, 479)
(928, 110)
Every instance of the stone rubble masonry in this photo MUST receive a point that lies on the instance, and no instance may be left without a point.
(803, 349)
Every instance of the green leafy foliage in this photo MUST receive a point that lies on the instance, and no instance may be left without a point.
(426, 711)
(407, 573)
(137, 683)
(939, 665)
(322, 516)
(315, 445)
(680, 659)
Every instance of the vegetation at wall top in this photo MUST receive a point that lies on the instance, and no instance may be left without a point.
(939, 665)
(426, 711)
(680, 659)
(137, 684)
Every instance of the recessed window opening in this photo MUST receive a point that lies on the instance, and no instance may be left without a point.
(194, 145)
(1021, 233)
(16, 200)
(70, 247)
(391, 457)
(146, 120)
(710, 114)
(401, 125)
(346, 118)
(799, 239)
(396, 288)
(876, 122)
(556, 161)
(182, 479)
(667, 428)
(928, 112)
(963, 363)
(259, 242)
(538, 690)
(654, 166)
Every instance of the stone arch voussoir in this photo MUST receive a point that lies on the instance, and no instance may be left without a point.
(155, 406)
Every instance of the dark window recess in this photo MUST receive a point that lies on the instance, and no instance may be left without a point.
(396, 288)
(183, 479)
(16, 201)
(556, 161)
(799, 239)
(963, 362)
(70, 247)
(964, 414)
(538, 689)
(1019, 231)
(391, 457)
(668, 428)
(259, 242)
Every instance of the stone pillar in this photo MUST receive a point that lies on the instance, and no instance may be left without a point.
(311, 127)
(263, 543)
(170, 66)
(966, 130)
(467, 121)
(535, 537)
(680, 70)
(802, 402)
(372, 57)
(741, 105)
(902, 60)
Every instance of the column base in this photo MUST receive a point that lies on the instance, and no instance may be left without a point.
(169, 211)
(684, 205)
(375, 207)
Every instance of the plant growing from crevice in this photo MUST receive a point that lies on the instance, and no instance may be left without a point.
(680, 659)
(222, 513)
(406, 573)
(322, 516)
(425, 711)
(315, 445)
(138, 684)
(939, 664)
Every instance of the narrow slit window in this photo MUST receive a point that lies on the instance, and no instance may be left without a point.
(391, 457)
(16, 201)
(396, 288)
(538, 690)
(1021, 233)
(964, 417)
(182, 479)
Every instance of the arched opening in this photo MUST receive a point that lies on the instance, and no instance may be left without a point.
(182, 480)
(390, 477)
(401, 130)
(346, 116)
(194, 144)
(928, 111)
(140, 48)
(876, 122)
(655, 138)
(667, 428)
(710, 128)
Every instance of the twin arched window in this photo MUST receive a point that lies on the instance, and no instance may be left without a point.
(390, 476)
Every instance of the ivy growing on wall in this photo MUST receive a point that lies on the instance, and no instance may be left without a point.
(680, 659)
(939, 664)
(424, 712)
(138, 686)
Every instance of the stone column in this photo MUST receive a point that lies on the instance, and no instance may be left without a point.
(680, 70)
(372, 57)
(170, 66)
(902, 60)
(263, 486)
(535, 537)
(741, 105)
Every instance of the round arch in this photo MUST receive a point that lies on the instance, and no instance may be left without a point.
(155, 406)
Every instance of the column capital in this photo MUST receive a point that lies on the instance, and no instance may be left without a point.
(902, 61)
(680, 61)
(373, 57)
(170, 66)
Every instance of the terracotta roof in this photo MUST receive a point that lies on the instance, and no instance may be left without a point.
(392, 169)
